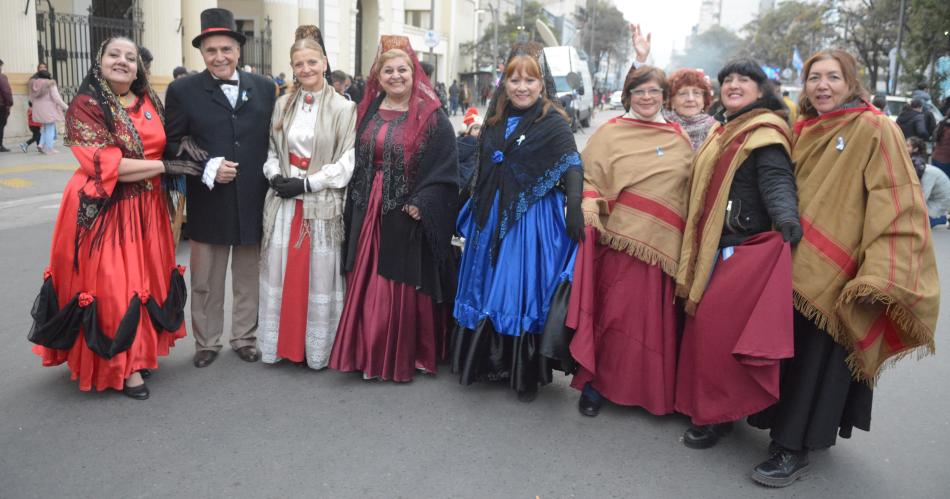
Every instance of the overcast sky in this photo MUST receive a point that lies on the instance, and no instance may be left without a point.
(670, 21)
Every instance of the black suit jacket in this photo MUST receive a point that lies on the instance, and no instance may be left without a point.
(231, 213)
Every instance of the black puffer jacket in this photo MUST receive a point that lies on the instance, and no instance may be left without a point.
(762, 194)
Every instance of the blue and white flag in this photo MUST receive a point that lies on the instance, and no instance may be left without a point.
(797, 60)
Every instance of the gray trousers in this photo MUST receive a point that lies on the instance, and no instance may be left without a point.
(209, 268)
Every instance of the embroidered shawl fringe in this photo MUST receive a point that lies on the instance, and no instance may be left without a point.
(328, 232)
(896, 312)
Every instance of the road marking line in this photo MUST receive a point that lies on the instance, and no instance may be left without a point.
(30, 200)
(60, 167)
(16, 183)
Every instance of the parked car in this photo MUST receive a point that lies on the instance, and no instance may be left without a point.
(616, 100)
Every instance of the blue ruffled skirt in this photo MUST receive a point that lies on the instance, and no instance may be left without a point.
(534, 257)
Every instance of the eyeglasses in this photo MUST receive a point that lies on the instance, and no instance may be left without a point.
(685, 94)
(641, 93)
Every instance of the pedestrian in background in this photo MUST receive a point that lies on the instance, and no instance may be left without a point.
(309, 163)
(913, 120)
(225, 115)
(112, 263)
(34, 129)
(338, 81)
(467, 146)
(935, 184)
(398, 224)
(518, 243)
(6, 102)
(735, 264)
(48, 109)
(865, 278)
(636, 185)
(941, 151)
(454, 97)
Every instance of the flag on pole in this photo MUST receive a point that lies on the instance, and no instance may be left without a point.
(797, 60)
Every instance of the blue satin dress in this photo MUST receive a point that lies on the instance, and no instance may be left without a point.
(534, 257)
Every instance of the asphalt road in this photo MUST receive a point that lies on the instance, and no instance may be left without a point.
(250, 430)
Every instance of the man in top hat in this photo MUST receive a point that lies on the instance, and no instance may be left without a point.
(221, 117)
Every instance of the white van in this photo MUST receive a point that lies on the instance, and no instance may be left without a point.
(572, 79)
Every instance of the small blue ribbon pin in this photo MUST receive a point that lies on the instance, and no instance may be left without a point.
(497, 157)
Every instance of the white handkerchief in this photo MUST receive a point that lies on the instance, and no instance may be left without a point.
(211, 171)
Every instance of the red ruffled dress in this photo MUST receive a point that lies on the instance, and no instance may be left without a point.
(128, 253)
(388, 329)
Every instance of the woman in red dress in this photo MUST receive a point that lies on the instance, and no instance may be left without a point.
(112, 251)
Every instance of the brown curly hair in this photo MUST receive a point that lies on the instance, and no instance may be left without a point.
(689, 78)
(641, 75)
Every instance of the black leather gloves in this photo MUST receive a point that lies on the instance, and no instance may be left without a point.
(791, 232)
(182, 167)
(189, 147)
(288, 187)
(573, 181)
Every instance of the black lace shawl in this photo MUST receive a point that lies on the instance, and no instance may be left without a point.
(521, 170)
(411, 252)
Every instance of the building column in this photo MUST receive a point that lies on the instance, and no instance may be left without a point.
(284, 15)
(161, 36)
(18, 37)
(20, 56)
(191, 27)
(309, 12)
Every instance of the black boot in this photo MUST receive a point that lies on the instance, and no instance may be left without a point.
(782, 468)
(528, 394)
(590, 401)
(704, 437)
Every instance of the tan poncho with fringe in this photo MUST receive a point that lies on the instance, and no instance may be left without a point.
(865, 269)
(636, 176)
(725, 149)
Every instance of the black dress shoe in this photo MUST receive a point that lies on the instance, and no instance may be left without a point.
(528, 395)
(137, 392)
(704, 437)
(204, 358)
(588, 406)
(145, 373)
(249, 354)
(782, 468)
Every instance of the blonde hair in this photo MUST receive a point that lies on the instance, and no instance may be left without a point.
(306, 43)
(390, 55)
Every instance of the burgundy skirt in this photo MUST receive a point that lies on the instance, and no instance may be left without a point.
(624, 314)
(387, 329)
(732, 348)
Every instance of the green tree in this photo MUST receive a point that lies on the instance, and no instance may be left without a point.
(508, 32)
(710, 50)
(925, 41)
(869, 29)
(605, 34)
(771, 38)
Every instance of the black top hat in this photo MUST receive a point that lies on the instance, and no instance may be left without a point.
(217, 22)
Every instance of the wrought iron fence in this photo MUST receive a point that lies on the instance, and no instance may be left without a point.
(257, 50)
(68, 42)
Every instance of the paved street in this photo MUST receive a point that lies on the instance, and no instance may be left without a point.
(251, 430)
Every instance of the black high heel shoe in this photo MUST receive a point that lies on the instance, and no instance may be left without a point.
(136, 392)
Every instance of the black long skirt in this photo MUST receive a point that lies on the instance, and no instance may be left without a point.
(818, 400)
